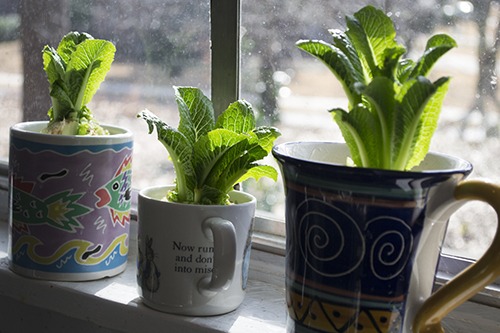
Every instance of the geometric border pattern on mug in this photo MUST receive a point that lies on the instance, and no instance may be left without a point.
(319, 315)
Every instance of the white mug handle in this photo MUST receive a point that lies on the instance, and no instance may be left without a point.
(473, 279)
(224, 237)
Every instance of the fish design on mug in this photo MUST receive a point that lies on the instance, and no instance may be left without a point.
(59, 210)
(116, 194)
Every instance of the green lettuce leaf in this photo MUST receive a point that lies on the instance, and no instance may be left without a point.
(196, 112)
(361, 132)
(436, 46)
(421, 121)
(75, 71)
(340, 65)
(238, 117)
(210, 156)
(393, 108)
(180, 150)
(372, 33)
(87, 68)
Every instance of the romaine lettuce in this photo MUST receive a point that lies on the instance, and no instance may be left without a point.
(211, 155)
(75, 71)
(393, 108)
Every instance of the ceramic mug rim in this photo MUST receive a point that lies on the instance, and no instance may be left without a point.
(283, 153)
(148, 194)
(30, 130)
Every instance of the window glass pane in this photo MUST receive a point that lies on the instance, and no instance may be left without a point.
(160, 43)
(10, 72)
(165, 43)
(293, 91)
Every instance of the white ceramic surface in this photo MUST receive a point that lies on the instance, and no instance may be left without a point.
(193, 259)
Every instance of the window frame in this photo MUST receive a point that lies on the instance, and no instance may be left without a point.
(269, 233)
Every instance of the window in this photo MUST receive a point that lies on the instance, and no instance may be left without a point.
(161, 43)
(293, 91)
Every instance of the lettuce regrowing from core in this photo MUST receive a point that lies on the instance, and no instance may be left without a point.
(75, 71)
(393, 108)
(211, 155)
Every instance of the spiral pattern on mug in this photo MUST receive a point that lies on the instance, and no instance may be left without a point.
(322, 233)
(390, 246)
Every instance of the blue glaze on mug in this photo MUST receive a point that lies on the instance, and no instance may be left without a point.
(352, 235)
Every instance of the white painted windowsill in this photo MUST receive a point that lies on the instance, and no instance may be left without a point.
(112, 305)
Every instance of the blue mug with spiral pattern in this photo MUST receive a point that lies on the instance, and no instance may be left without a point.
(362, 245)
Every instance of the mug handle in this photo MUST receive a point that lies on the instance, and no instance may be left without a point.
(473, 279)
(224, 237)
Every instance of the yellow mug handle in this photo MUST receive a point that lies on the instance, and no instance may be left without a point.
(473, 279)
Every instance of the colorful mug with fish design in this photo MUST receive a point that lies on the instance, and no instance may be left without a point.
(363, 244)
(69, 199)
